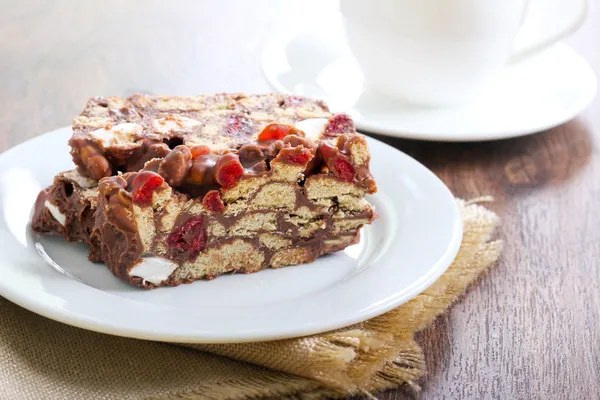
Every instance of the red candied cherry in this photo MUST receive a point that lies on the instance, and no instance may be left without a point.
(278, 132)
(338, 124)
(337, 162)
(190, 237)
(228, 170)
(295, 155)
(343, 169)
(144, 185)
(212, 201)
(199, 150)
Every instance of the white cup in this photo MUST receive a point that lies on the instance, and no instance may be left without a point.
(441, 52)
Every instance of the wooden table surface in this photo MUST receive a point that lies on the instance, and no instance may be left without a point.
(529, 329)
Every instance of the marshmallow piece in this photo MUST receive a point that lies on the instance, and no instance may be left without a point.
(153, 269)
(174, 123)
(82, 181)
(117, 134)
(312, 127)
(60, 217)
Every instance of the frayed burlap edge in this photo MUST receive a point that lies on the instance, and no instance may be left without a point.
(365, 358)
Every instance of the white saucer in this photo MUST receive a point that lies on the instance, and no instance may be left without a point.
(532, 96)
(400, 255)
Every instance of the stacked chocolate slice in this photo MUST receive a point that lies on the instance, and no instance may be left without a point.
(174, 189)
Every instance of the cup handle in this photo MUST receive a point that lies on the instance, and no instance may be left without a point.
(547, 41)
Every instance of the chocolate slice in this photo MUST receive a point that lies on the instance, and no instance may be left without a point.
(216, 184)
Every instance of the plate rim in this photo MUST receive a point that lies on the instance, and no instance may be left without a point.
(29, 302)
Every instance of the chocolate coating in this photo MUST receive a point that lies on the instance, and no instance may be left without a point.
(174, 167)
(90, 159)
(75, 203)
(115, 227)
(149, 150)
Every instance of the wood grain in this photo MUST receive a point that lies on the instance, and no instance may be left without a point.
(529, 330)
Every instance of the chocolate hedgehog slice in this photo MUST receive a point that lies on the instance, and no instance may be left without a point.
(194, 187)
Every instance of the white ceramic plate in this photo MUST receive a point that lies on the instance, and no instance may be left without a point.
(400, 255)
(532, 96)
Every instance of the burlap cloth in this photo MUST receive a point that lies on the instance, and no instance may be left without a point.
(43, 359)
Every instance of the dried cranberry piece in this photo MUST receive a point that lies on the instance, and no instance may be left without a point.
(238, 125)
(228, 170)
(339, 124)
(343, 169)
(190, 237)
(212, 201)
(295, 155)
(337, 162)
(143, 186)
